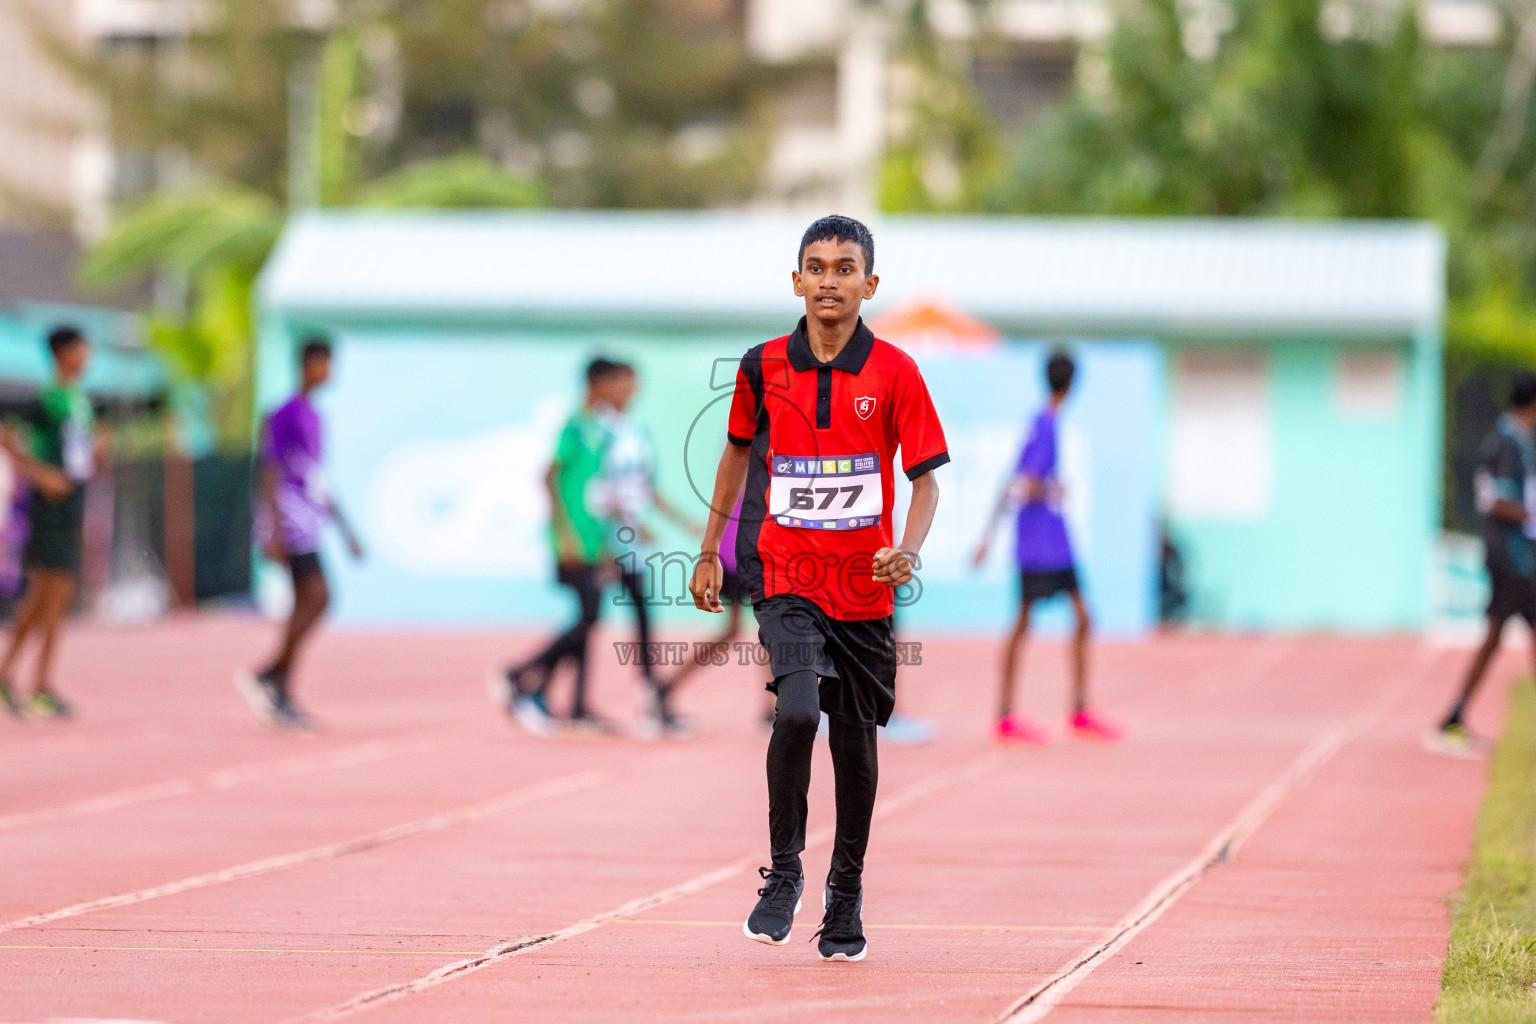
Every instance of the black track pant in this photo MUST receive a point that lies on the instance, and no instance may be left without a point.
(585, 581)
(634, 585)
(854, 763)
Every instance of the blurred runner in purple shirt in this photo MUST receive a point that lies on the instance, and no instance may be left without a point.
(293, 505)
(1041, 530)
(292, 452)
(1046, 567)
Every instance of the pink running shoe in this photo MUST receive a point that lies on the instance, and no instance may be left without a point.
(1089, 724)
(1016, 730)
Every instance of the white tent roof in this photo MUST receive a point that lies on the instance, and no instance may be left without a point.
(724, 269)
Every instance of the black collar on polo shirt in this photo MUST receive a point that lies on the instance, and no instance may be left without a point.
(851, 359)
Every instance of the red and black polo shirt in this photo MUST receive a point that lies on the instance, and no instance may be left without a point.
(817, 502)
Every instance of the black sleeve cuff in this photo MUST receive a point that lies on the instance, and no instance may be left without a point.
(927, 465)
(739, 442)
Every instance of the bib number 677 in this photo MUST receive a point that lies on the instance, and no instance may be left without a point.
(801, 498)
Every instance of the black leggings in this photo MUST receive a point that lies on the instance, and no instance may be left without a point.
(855, 765)
(585, 581)
(634, 584)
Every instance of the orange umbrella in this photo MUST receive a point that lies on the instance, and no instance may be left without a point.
(933, 323)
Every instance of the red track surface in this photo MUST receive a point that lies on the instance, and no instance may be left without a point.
(164, 859)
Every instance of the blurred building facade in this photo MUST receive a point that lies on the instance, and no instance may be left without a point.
(58, 168)
(834, 115)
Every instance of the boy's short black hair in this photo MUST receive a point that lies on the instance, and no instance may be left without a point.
(1059, 371)
(316, 346)
(838, 228)
(1522, 390)
(63, 336)
(602, 367)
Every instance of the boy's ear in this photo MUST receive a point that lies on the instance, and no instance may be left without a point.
(870, 284)
(794, 275)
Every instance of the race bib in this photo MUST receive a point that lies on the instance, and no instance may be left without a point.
(79, 452)
(825, 493)
(1530, 506)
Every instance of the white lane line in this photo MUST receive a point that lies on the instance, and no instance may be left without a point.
(1046, 996)
(228, 778)
(515, 947)
(394, 834)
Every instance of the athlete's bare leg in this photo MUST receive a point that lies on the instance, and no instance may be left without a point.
(1475, 672)
(58, 595)
(1011, 651)
(1080, 638)
(26, 618)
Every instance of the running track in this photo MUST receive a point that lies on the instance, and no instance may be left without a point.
(1271, 844)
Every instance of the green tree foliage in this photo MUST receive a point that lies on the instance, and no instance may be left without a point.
(944, 150)
(1274, 119)
(466, 181)
(599, 103)
(614, 103)
(1305, 108)
(210, 244)
(414, 103)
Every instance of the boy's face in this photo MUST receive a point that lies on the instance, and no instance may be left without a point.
(72, 359)
(616, 389)
(833, 281)
(316, 371)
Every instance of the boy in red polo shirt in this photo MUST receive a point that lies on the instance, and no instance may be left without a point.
(815, 423)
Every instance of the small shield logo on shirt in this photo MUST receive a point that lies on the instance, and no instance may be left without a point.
(864, 407)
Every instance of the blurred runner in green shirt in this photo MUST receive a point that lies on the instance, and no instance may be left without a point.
(578, 534)
(57, 456)
(631, 504)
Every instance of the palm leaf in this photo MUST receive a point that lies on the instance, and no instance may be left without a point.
(466, 181)
(185, 234)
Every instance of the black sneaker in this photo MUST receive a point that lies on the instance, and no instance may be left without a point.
(288, 715)
(841, 933)
(46, 704)
(506, 686)
(778, 900)
(590, 723)
(261, 695)
(678, 727)
(673, 725)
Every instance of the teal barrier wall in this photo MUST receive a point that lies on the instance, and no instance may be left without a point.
(1343, 535)
(438, 441)
(1284, 418)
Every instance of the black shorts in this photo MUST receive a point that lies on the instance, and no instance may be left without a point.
(733, 590)
(56, 529)
(1038, 586)
(855, 658)
(1511, 595)
(304, 565)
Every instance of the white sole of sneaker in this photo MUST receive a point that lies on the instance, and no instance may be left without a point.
(255, 698)
(746, 929)
(1471, 749)
(839, 957)
(498, 688)
(532, 721)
